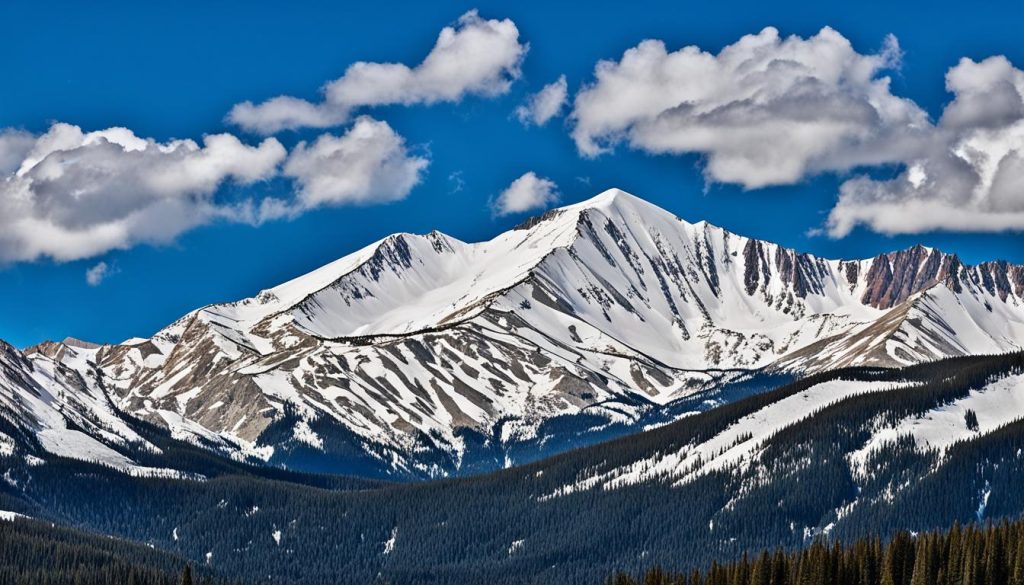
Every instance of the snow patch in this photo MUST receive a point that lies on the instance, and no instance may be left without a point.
(303, 433)
(983, 501)
(389, 545)
(10, 516)
(996, 404)
(516, 546)
(735, 447)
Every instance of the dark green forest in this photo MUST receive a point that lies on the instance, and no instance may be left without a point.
(974, 555)
(36, 553)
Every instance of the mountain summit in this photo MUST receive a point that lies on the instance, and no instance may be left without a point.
(426, 355)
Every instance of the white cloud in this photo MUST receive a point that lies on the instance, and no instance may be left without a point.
(545, 104)
(75, 194)
(765, 110)
(768, 110)
(285, 112)
(368, 164)
(473, 57)
(527, 193)
(68, 194)
(14, 146)
(95, 275)
(970, 178)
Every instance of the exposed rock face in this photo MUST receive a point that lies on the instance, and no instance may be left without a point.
(420, 352)
(58, 350)
(895, 277)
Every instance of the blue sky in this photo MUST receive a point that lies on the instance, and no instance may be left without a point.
(176, 70)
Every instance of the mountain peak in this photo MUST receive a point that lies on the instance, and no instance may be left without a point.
(603, 201)
(613, 199)
(622, 253)
(75, 342)
(608, 196)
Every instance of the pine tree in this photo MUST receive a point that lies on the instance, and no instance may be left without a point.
(656, 576)
(780, 569)
(954, 556)
(971, 418)
(1017, 576)
(990, 555)
(995, 559)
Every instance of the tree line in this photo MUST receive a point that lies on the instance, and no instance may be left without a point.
(39, 553)
(973, 555)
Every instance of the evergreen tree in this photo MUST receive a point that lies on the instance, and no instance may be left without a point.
(990, 555)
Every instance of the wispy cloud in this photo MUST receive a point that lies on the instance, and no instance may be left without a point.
(457, 182)
(95, 275)
(545, 104)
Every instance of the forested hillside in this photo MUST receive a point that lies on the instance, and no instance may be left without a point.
(992, 554)
(36, 553)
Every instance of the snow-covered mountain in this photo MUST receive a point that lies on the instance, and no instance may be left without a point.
(842, 454)
(59, 408)
(426, 355)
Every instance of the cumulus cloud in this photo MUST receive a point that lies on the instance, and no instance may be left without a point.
(368, 164)
(473, 57)
(76, 194)
(971, 176)
(14, 146)
(765, 110)
(769, 110)
(545, 104)
(95, 275)
(527, 193)
(67, 194)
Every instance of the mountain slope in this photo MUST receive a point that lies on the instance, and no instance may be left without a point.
(933, 323)
(425, 355)
(871, 451)
(53, 409)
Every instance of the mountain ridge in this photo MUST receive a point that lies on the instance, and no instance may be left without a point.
(603, 311)
(1007, 279)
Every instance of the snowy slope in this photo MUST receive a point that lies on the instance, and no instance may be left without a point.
(734, 447)
(65, 413)
(607, 309)
(880, 426)
(932, 324)
(997, 404)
